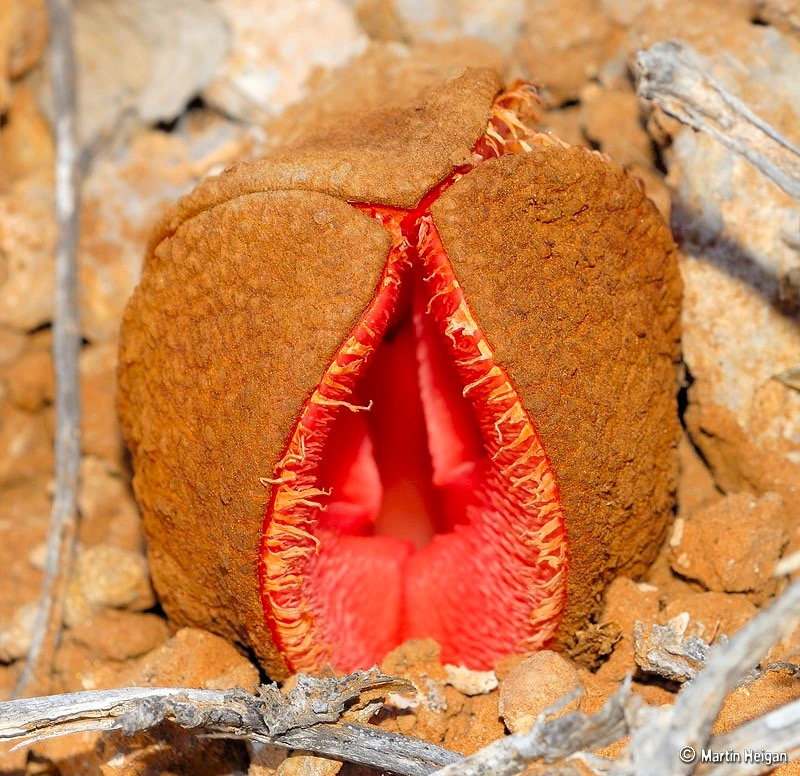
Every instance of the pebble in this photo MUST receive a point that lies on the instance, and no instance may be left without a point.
(534, 685)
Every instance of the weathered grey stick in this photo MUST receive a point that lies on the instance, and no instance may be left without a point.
(66, 348)
(674, 76)
(777, 731)
(549, 740)
(307, 718)
(658, 735)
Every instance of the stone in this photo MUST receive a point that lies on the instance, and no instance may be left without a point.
(16, 634)
(27, 244)
(470, 682)
(736, 230)
(23, 38)
(139, 62)
(308, 765)
(24, 518)
(25, 445)
(768, 692)
(107, 577)
(784, 14)
(154, 169)
(626, 602)
(710, 613)
(29, 35)
(193, 658)
(534, 685)
(109, 514)
(264, 71)
(696, 486)
(733, 545)
(26, 142)
(610, 119)
(92, 652)
(439, 713)
(30, 379)
(100, 432)
(12, 343)
(564, 44)
(264, 758)
(443, 20)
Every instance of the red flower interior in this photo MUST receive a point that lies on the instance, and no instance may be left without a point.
(414, 498)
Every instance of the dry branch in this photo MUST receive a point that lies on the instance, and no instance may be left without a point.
(659, 734)
(549, 740)
(307, 718)
(66, 349)
(312, 717)
(677, 78)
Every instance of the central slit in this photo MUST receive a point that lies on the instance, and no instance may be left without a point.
(402, 469)
(414, 498)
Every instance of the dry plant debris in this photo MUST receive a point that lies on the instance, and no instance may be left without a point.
(311, 717)
(740, 255)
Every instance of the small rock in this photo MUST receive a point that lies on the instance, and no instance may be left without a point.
(12, 343)
(565, 123)
(23, 39)
(109, 514)
(475, 725)
(470, 682)
(107, 577)
(25, 445)
(92, 653)
(119, 635)
(31, 383)
(193, 658)
(534, 685)
(276, 47)
(768, 692)
(100, 431)
(307, 765)
(27, 245)
(444, 20)
(610, 118)
(626, 602)
(696, 486)
(140, 61)
(440, 714)
(16, 635)
(155, 169)
(264, 758)
(24, 518)
(29, 35)
(733, 545)
(564, 44)
(710, 613)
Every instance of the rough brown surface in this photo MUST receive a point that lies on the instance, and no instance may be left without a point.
(248, 290)
(534, 685)
(232, 326)
(579, 295)
(732, 545)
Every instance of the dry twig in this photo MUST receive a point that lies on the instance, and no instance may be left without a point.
(549, 740)
(308, 718)
(674, 76)
(658, 734)
(66, 348)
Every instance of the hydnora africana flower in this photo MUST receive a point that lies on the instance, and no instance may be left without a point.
(412, 377)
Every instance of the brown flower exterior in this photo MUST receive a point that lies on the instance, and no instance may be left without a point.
(413, 377)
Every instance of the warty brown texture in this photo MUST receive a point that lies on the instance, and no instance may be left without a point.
(253, 281)
(578, 292)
